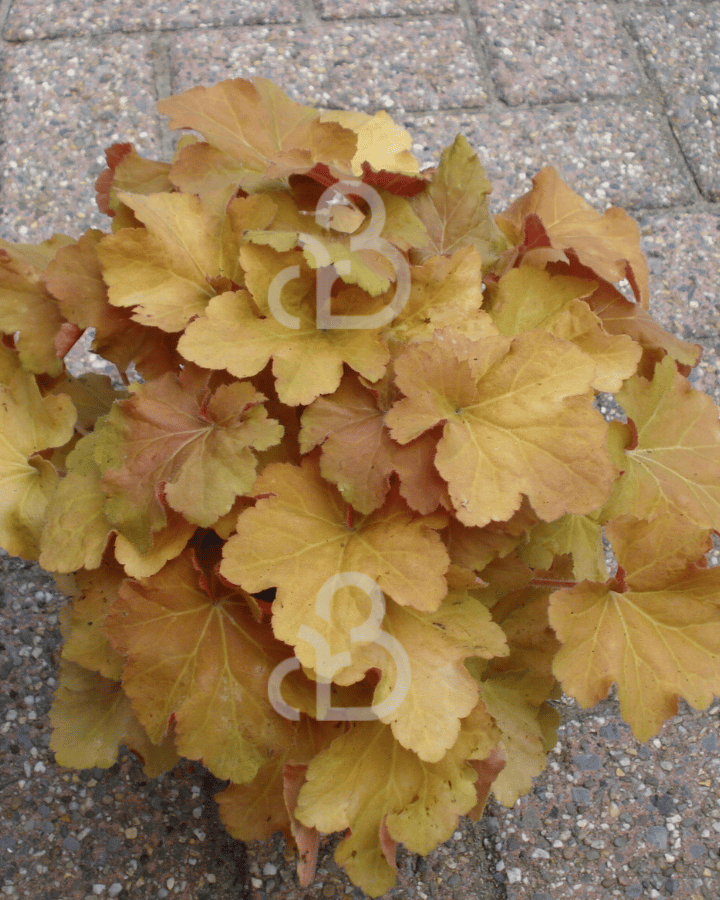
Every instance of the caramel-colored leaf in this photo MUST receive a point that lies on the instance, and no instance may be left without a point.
(670, 451)
(517, 420)
(27, 310)
(74, 278)
(655, 631)
(359, 456)
(608, 243)
(176, 436)
(202, 659)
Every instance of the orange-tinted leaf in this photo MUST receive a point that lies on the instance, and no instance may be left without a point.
(620, 316)
(25, 305)
(670, 456)
(255, 132)
(75, 279)
(204, 660)
(608, 243)
(175, 439)
(517, 420)
(359, 456)
(655, 632)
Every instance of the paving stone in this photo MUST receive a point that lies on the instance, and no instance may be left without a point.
(609, 154)
(681, 46)
(340, 9)
(683, 253)
(415, 63)
(63, 103)
(546, 51)
(38, 19)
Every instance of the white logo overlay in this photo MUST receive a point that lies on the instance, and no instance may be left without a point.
(327, 665)
(328, 272)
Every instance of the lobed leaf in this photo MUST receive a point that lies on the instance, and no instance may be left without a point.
(655, 631)
(516, 419)
(669, 452)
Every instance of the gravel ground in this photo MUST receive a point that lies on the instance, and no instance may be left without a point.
(623, 98)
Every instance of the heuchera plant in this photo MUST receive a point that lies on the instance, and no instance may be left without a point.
(338, 532)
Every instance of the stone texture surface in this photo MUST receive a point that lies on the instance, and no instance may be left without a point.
(609, 152)
(33, 20)
(546, 51)
(623, 98)
(63, 102)
(416, 63)
(681, 46)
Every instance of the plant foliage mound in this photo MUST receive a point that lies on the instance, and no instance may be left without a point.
(337, 529)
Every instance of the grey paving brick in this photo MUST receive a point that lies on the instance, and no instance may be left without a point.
(683, 253)
(340, 9)
(416, 63)
(63, 102)
(681, 45)
(544, 50)
(609, 154)
(37, 19)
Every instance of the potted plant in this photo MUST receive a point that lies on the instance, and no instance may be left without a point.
(337, 527)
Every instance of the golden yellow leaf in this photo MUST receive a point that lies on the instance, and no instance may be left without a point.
(92, 718)
(455, 207)
(162, 271)
(517, 419)
(527, 725)
(365, 780)
(654, 630)
(197, 655)
(298, 537)
(29, 424)
(669, 452)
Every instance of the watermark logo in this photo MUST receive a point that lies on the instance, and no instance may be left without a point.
(328, 272)
(327, 665)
